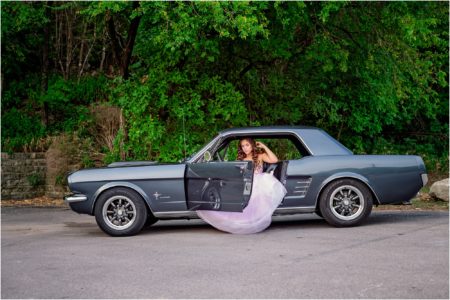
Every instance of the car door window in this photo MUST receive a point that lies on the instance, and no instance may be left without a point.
(283, 147)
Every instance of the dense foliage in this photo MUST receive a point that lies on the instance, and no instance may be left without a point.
(373, 74)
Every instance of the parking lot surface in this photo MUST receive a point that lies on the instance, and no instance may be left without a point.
(56, 253)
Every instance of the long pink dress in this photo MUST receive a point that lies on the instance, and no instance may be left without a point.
(267, 194)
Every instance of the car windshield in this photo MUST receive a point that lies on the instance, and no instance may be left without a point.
(200, 148)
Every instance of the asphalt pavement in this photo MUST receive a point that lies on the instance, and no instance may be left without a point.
(56, 253)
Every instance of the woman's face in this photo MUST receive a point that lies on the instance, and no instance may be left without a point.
(246, 147)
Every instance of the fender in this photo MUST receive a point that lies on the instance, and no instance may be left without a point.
(346, 175)
(114, 184)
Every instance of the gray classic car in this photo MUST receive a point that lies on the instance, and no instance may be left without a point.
(320, 175)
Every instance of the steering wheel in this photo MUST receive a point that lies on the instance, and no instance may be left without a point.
(217, 155)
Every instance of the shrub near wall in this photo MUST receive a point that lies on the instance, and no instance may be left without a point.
(63, 156)
(23, 175)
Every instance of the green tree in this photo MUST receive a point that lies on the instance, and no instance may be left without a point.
(373, 74)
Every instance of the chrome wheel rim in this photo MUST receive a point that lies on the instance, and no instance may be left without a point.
(347, 202)
(119, 212)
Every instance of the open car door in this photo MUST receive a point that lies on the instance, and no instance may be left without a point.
(224, 186)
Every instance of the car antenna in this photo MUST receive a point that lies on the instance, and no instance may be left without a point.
(184, 137)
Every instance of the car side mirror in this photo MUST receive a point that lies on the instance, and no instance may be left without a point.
(207, 156)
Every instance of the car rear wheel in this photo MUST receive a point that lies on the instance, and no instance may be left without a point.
(120, 212)
(345, 202)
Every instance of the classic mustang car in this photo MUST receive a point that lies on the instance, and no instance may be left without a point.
(321, 176)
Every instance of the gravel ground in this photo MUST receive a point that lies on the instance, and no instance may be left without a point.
(35, 202)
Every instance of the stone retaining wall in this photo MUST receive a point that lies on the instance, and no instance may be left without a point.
(23, 175)
(30, 175)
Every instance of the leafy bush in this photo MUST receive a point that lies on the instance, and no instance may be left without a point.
(20, 128)
(35, 179)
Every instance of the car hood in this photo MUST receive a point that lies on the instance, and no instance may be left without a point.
(132, 163)
(129, 172)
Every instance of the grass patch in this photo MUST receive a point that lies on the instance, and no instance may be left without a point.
(431, 204)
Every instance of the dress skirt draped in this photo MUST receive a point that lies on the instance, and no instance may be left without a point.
(267, 194)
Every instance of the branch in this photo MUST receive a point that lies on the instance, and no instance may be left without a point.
(87, 55)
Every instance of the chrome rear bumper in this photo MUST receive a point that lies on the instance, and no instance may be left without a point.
(424, 179)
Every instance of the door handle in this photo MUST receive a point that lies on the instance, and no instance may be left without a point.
(247, 188)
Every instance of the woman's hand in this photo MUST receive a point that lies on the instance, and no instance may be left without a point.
(268, 156)
(261, 145)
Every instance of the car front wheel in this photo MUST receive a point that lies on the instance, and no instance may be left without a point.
(120, 212)
(345, 202)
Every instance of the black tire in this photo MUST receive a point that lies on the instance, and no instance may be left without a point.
(120, 212)
(345, 202)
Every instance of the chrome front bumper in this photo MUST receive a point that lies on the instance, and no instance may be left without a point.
(75, 198)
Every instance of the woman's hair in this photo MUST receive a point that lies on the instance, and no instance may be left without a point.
(241, 154)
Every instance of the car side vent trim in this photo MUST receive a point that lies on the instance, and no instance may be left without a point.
(301, 187)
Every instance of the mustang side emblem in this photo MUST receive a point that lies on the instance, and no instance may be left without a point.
(158, 195)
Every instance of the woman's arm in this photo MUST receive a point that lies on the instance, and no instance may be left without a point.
(268, 156)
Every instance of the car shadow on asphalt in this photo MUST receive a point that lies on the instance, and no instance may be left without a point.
(162, 227)
(301, 221)
(304, 221)
(401, 216)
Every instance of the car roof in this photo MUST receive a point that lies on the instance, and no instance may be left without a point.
(264, 129)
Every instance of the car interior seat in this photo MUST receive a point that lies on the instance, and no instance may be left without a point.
(275, 169)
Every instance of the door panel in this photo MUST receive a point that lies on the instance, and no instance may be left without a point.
(222, 186)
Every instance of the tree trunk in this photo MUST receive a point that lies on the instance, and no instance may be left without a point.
(87, 54)
(102, 62)
(82, 47)
(45, 60)
(69, 42)
(122, 56)
(117, 51)
(132, 33)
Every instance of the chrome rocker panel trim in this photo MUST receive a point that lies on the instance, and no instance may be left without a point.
(193, 215)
